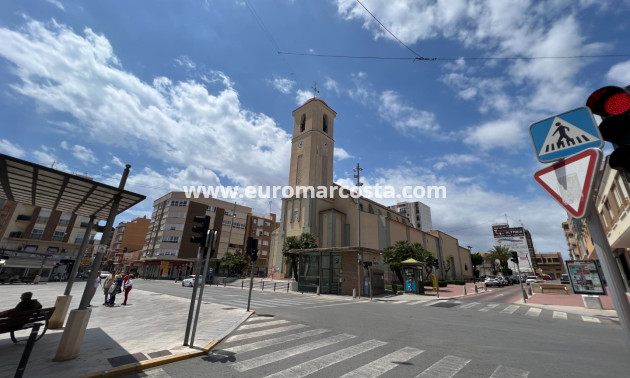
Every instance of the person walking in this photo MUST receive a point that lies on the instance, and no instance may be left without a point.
(115, 289)
(107, 285)
(127, 285)
(97, 283)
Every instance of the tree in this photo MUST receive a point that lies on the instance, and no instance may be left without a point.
(234, 262)
(500, 253)
(476, 260)
(403, 250)
(305, 241)
(447, 265)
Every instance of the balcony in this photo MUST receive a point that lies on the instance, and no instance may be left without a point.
(23, 217)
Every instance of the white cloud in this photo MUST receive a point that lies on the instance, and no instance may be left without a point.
(8, 148)
(117, 162)
(341, 154)
(456, 159)
(303, 95)
(508, 134)
(284, 85)
(80, 152)
(185, 61)
(403, 117)
(81, 76)
(332, 85)
(619, 74)
(56, 3)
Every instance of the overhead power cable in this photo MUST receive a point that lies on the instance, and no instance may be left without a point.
(454, 59)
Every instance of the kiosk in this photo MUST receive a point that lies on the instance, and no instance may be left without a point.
(412, 274)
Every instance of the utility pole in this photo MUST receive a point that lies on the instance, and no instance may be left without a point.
(357, 175)
(231, 226)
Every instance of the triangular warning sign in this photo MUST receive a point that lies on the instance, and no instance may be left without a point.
(570, 181)
(562, 135)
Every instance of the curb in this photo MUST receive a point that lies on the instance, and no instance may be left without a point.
(142, 365)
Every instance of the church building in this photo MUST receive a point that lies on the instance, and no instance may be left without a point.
(348, 230)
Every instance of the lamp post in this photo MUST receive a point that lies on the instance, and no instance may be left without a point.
(358, 170)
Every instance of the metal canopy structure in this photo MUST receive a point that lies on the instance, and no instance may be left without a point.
(34, 184)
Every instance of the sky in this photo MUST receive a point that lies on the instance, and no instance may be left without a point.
(201, 93)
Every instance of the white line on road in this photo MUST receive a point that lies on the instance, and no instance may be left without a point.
(310, 367)
(384, 364)
(508, 372)
(266, 332)
(278, 340)
(590, 319)
(444, 368)
(469, 305)
(510, 309)
(270, 358)
(533, 312)
(264, 324)
(559, 315)
(489, 307)
(258, 318)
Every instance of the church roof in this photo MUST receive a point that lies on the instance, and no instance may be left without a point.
(317, 99)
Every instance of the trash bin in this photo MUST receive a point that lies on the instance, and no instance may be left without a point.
(394, 289)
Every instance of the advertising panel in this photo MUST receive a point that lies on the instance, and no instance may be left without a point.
(585, 277)
(514, 239)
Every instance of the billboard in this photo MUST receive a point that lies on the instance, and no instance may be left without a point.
(514, 239)
(585, 277)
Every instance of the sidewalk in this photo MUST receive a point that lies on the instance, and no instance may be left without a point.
(149, 331)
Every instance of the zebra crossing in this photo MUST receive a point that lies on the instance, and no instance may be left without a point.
(287, 301)
(509, 309)
(279, 346)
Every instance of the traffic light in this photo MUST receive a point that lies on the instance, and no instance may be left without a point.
(613, 105)
(201, 230)
(251, 249)
(367, 264)
(514, 257)
(436, 263)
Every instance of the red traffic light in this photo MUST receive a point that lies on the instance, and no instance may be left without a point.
(609, 101)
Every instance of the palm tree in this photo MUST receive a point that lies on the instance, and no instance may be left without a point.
(501, 253)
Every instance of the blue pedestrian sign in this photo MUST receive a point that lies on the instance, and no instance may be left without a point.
(565, 134)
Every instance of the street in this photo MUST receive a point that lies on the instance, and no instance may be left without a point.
(331, 336)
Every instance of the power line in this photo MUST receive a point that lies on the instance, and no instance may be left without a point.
(454, 59)
(419, 57)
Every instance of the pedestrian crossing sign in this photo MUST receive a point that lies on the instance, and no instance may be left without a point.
(565, 134)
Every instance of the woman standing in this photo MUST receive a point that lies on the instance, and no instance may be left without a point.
(127, 285)
(115, 289)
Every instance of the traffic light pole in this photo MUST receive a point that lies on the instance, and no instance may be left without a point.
(211, 236)
(520, 280)
(251, 285)
(200, 253)
(613, 276)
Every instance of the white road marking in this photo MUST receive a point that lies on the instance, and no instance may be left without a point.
(384, 364)
(270, 358)
(508, 372)
(278, 340)
(266, 332)
(488, 307)
(469, 305)
(444, 368)
(312, 366)
(559, 315)
(590, 319)
(510, 309)
(263, 324)
(533, 312)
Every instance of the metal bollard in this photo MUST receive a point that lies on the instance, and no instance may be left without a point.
(263, 286)
(465, 290)
(274, 287)
(242, 284)
(287, 287)
(485, 288)
(476, 289)
(224, 282)
(317, 289)
(354, 293)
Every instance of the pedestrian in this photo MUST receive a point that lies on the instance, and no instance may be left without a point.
(127, 285)
(107, 285)
(26, 303)
(115, 289)
(97, 283)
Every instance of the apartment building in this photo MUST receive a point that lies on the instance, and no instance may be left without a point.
(261, 227)
(167, 249)
(127, 240)
(418, 213)
(551, 264)
(35, 239)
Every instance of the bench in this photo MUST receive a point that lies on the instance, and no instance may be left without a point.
(23, 320)
(556, 287)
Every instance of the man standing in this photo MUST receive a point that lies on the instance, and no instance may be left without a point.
(97, 283)
(106, 285)
(127, 285)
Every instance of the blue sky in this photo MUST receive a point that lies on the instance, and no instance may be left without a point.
(195, 93)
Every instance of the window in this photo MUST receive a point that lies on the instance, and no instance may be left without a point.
(16, 234)
(267, 224)
(211, 209)
(64, 219)
(303, 123)
(58, 236)
(42, 218)
(37, 233)
(325, 123)
(170, 239)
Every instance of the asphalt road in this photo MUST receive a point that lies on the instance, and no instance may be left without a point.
(329, 337)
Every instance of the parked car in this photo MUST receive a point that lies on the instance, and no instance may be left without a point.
(531, 279)
(492, 281)
(515, 279)
(564, 279)
(104, 274)
(190, 281)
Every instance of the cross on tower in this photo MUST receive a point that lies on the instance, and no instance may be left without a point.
(315, 91)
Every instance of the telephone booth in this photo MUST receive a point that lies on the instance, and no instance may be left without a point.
(412, 275)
